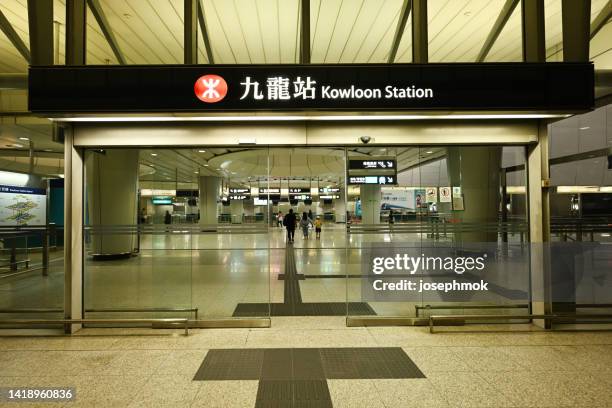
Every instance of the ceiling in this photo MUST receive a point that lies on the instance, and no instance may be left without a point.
(244, 166)
(266, 31)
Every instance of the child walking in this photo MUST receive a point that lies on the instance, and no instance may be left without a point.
(317, 225)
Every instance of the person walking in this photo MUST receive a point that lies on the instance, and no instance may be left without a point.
(310, 216)
(279, 220)
(318, 225)
(304, 224)
(289, 222)
(168, 218)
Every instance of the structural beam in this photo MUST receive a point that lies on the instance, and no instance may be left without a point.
(602, 18)
(532, 24)
(40, 22)
(204, 30)
(76, 17)
(497, 28)
(96, 10)
(13, 37)
(576, 19)
(190, 32)
(399, 30)
(305, 32)
(420, 51)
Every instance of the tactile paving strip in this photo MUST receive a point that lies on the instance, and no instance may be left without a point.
(292, 303)
(297, 377)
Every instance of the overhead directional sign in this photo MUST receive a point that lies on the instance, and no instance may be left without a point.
(378, 164)
(372, 179)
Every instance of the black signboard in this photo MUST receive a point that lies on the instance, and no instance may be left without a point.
(239, 197)
(272, 190)
(329, 189)
(555, 86)
(295, 190)
(373, 179)
(376, 164)
(241, 190)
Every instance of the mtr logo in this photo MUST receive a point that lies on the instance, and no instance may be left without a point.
(210, 88)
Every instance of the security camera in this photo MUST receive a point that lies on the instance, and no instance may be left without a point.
(365, 139)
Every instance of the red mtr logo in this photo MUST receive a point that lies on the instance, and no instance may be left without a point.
(210, 88)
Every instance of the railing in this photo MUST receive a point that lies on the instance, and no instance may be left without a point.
(46, 322)
(551, 317)
(27, 240)
(467, 307)
(191, 229)
(565, 227)
(193, 310)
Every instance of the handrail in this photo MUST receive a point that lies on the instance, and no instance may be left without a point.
(569, 316)
(456, 307)
(146, 310)
(183, 321)
(32, 310)
(107, 310)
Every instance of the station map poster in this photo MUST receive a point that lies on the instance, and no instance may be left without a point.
(397, 198)
(22, 206)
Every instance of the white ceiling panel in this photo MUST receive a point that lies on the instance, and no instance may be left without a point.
(458, 28)
(253, 32)
(352, 31)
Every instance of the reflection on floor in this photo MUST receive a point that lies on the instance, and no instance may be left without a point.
(292, 301)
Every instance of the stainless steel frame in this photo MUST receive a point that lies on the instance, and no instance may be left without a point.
(153, 322)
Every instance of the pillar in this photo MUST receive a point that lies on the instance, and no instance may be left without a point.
(236, 210)
(112, 194)
(477, 171)
(370, 204)
(340, 207)
(210, 192)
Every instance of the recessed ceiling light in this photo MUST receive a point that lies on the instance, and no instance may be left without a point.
(17, 145)
(47, 150)
(205, 164)
(585, 127)
(24, 138)
(196, 172)
(429, 152)
(201, 151)
(153, 154)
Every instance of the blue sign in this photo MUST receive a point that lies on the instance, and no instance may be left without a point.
(22, 190)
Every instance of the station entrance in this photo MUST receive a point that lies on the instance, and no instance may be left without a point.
(204, 228)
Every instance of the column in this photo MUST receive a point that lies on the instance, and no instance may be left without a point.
(112, 186)
(340, 207)
(477, 171)
(210, 192)
(236, 210)
(370, 204)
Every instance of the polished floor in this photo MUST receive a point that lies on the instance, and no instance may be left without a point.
(159, 368)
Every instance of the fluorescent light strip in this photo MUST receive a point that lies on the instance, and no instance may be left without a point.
(256, 118)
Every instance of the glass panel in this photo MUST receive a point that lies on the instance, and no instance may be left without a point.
(308, 273)
(451, 202)
(172, 233)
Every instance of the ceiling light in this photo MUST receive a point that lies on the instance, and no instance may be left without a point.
(47, 150)
(153, 154)
(429, 152)
(205, 164)
(201, 151)
(24, 138)
(256, 118)
(17, 145)
(585, 127)
(196, 172)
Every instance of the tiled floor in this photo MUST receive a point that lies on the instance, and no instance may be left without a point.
(151, 368)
